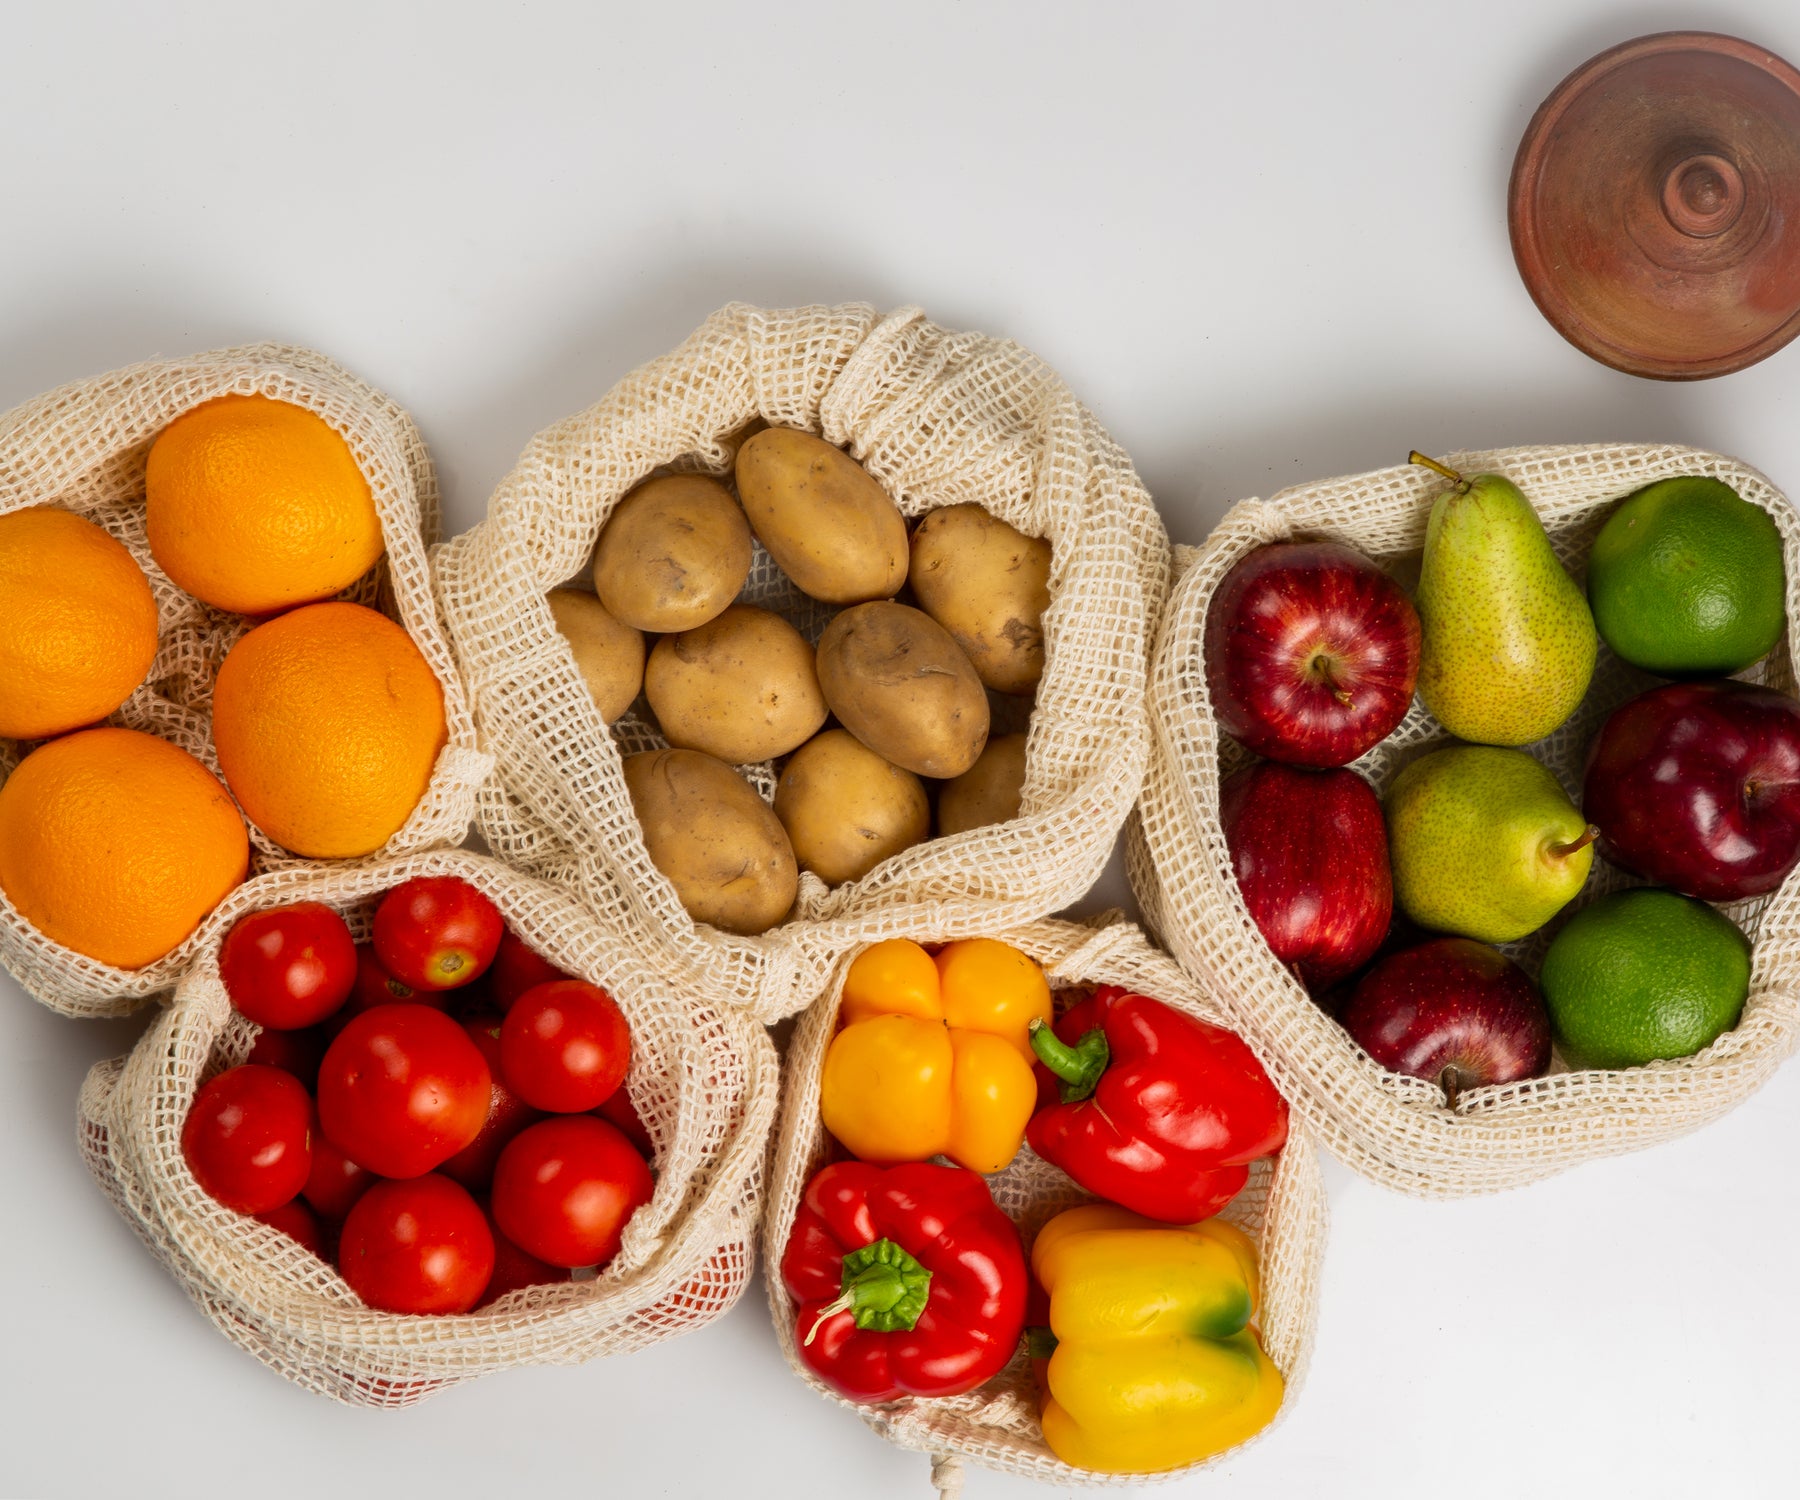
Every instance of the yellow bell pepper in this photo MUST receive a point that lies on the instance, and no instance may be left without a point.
(935, 1057)
(1156, 1364)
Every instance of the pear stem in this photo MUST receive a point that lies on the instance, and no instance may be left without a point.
(1563, 851)
(1416, 457)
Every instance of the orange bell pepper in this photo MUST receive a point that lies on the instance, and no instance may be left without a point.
(934, 1058)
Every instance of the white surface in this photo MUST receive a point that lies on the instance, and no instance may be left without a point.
(1264, 250)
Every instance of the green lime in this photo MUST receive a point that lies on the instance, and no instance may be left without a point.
(1644, 974)
(1686, 579)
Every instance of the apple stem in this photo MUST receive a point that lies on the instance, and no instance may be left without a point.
(1321, 664)
(1416, 457)
(1563, 851)
(1450, 1081)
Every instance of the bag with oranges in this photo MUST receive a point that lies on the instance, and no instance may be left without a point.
(220, 655)
(1281, 1207)
(699, 1098)
(959, 432)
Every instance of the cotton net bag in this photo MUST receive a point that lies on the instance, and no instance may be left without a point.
(704, 1080)
(1394, 1129)
(1282, 1209)
(82, 448)
(938, 418)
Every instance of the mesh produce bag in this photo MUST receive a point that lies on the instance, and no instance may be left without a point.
(83, 448)
(939, 418)
(1282, 1210)
(703, 1078)
(1399, 1130)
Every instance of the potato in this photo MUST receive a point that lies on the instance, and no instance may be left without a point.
(721, 845)
(989, 586)
(988, 792)
(901, 685)
(741, 687)
(610, 656)
(828, 525)
(846, 809)
(674, 552)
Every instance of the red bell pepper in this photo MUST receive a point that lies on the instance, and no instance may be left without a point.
(907, 1281)
(1148, 1107)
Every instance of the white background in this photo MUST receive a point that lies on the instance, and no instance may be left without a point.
(1264, 250)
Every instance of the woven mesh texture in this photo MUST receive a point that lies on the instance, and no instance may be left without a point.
(704, 1079)
(940, 418)
(83, 448)
(1394, 1129)
(1282, 1209)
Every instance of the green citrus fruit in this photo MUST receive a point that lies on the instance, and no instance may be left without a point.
(1686, 579)
(1643, 974)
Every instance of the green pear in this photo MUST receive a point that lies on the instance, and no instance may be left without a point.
(1484, 842)
(1507, 639)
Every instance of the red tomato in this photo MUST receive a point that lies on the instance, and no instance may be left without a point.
(403, 1089)
(513, 1269)
(421, 1246)
(508, 1114)
(375, 986)
(618, 1110)
(296, 1052)
(297, 1222)
(436, 932)
(565, 1046)
(248, 1138)
(290, 966)
(517, 969)
(565, 1187)
(335, 1182)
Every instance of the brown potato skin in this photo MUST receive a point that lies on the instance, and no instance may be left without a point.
(742, 687)
(674, 552)
(988, 585)
(846, 809)
(827, 523)
(720, 845)
(608, 654)
(988, 792)
(900, 684)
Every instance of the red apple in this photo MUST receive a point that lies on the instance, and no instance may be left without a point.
(1696, 786)
(1311, 652)
(1310, 854)
(1454, 1012)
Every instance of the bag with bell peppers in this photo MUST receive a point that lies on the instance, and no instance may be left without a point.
(1166, 1324)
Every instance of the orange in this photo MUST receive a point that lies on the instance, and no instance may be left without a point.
(78, 626)
(256, 505)
(327, 722)
(117, 844)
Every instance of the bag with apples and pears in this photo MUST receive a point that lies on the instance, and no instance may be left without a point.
(1208, 849)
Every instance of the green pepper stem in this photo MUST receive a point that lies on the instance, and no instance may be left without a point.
(884, 1287)
(1078, 1067)
(1040, 1342)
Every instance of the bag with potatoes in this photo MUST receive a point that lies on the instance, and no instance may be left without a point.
(105, 896)
(703, 1084)
(735, 697)
(1417, 1134)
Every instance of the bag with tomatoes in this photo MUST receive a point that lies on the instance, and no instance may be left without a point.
(425, 1119)
(83, 448)
(923, 1258)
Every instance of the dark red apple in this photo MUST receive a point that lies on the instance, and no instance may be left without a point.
(1454, 1012)
(1311, 653)
(1310, 854)
(1696, 786)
